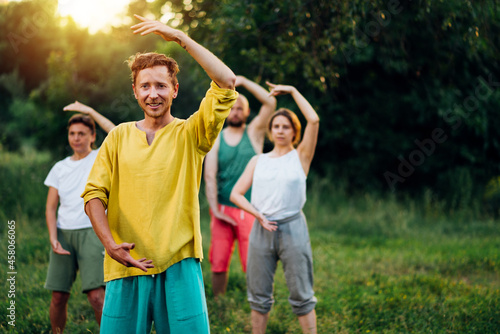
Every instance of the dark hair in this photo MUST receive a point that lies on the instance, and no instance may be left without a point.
(141, 61)
(85, 120)
(294, 120)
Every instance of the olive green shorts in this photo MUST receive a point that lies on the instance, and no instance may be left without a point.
(87, 257)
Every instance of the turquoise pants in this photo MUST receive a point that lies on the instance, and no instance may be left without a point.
(173, 300)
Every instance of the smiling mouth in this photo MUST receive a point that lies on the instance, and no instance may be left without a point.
(154, 105)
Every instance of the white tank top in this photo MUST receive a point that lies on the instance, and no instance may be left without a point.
(279, 186)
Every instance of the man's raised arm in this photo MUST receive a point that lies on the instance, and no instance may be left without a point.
(257, 127)
(215, 68)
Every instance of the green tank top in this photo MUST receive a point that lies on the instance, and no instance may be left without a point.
(232, 163)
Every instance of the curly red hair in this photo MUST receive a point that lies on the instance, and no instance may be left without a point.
(141, 61)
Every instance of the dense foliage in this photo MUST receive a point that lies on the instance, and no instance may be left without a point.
(407, 91)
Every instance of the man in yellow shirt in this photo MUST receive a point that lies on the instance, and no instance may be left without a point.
(147, 175)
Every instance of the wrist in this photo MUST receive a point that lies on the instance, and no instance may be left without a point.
(260, 216)
(181, 38)
(110, 248)
(52, 236)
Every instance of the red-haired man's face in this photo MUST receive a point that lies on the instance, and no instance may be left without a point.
(154, 91)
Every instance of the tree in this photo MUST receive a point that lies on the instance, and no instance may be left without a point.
(383, 76)
(407, 91)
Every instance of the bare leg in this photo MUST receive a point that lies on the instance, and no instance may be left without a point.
(308, 322)
(96, 300)
(219, 283)
(58, 311)
(259, 322)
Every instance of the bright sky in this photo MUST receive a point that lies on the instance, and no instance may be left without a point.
(94, 14)
(102, 14)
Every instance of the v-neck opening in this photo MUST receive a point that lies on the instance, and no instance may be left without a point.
(158, 132)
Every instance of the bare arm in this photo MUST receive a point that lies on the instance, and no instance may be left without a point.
(103, 122)
(238, 195)
(51, 218)
(120, 253)
(257, 127)
(215, 68)
(307, 146)
(210, 175)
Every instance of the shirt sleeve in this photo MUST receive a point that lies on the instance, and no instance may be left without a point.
(99, 181)
(208, 121)
(52, 180)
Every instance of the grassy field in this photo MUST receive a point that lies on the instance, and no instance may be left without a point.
(381, 265)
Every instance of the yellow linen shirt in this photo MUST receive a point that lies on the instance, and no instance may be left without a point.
(151, 192)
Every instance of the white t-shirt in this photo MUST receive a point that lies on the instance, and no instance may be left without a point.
(69, 178)
(279, 186)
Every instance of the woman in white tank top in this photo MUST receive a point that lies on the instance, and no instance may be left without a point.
(278, 181)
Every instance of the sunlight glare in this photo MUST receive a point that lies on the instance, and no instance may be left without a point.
(96, 15)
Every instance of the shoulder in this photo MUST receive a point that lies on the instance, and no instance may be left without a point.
(120, 130)
(123, 127)
(57, 171)
(61, 164)
(92, 156)
(256, 158)
(250, 168)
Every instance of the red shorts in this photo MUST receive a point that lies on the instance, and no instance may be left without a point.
(224, 235)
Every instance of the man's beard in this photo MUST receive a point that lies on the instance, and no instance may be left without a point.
(157, 114)
(236, 124)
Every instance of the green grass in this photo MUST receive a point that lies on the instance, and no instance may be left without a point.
(380, 265)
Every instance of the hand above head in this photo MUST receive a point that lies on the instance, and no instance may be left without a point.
(280, 89)
(213, 66)
(121, 254)
(80, 107)
(239, 80)
(150, 26)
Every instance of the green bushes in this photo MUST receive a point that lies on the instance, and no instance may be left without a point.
(23, 192)
(381, 264)
(392, 81)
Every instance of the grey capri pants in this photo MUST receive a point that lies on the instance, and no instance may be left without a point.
(289, 243)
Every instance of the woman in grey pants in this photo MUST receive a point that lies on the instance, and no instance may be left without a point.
(278, 181)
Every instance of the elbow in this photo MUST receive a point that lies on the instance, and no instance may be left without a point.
(232, 198)
(314, 120)
(229, 82)
(210, 179)
(86, 208)
(50, 211)
(92, 205)
(272, 102)
(207, 178)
